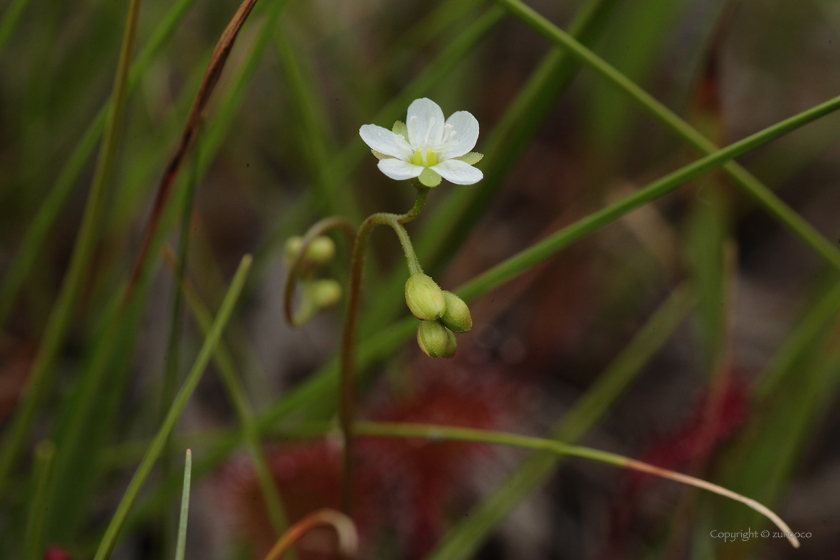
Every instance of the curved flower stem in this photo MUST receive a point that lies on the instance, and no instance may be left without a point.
(348, 342)
(295, 267)
(344, 528)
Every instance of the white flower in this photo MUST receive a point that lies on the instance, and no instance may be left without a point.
(427, 146)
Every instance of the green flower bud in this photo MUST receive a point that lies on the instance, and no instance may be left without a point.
(457, 315)
(451, 345)
(325, 293)
(424, 297)
(320, 251)
(293, 247)
(435, 340)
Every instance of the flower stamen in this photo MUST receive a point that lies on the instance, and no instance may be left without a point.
(429, 127)
(424, 157)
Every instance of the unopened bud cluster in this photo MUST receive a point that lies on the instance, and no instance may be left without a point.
(441, 314)
(316, 293)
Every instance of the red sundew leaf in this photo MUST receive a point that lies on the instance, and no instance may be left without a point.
(430, 472)
(702, 433)
(715, 419)
(401, 487)
(56, 553)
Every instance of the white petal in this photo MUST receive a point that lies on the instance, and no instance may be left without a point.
(425, 123)
(455, 171)
(465, 127)
(383, 141)
(398, 170)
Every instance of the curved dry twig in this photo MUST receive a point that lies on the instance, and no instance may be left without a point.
(202, 98)
(318, 228)
(348, 540)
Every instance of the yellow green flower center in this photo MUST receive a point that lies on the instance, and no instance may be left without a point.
(431, 158)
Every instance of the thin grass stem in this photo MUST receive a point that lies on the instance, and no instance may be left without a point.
(236, 394)
(185, 508)
(34, 535)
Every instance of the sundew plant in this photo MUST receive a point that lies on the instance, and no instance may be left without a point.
(419, 280)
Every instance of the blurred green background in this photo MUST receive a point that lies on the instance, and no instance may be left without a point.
(695, 333)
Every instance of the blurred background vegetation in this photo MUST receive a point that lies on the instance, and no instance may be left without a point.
(695, 333)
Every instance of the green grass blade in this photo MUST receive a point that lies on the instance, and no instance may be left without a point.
(435, 24)
(764, 196)
(594, 221)
(305, 98)
(34, 536)
(217, 128)
(244, 412)
(633, 45)
(40, 377)
(767, 456)
(708, 236)
(30, 247)
(509, 139)
(80, 429)
(798, 342)
(228, 107)
(185, 508)
(159, 442)
(92, 379)
(10, 20)
(176, 316)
